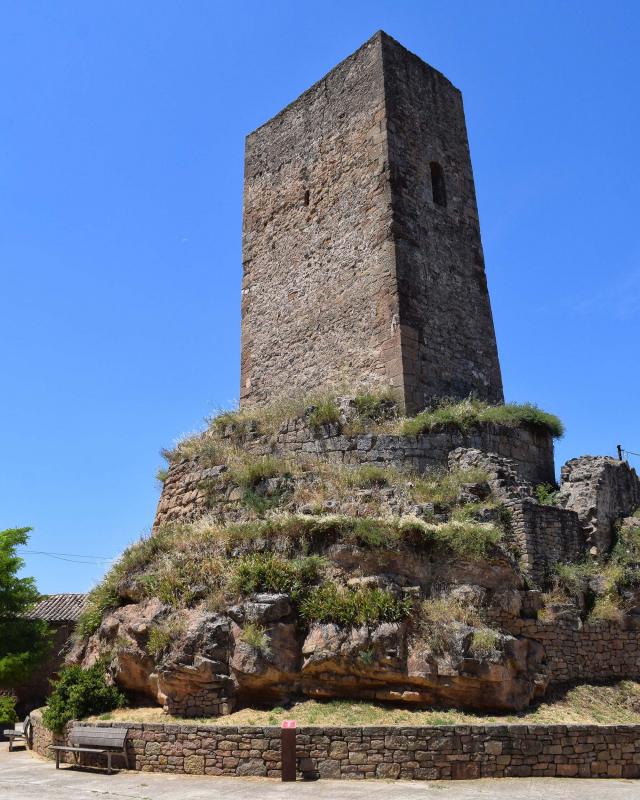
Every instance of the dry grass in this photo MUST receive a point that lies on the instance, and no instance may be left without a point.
(585, 704)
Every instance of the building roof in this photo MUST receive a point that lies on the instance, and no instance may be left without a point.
(59, 608)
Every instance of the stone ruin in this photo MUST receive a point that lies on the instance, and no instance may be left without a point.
(363, 268)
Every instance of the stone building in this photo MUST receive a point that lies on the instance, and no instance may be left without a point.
(61, 613)
(362, 258)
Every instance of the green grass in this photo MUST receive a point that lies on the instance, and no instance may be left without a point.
(256, 636)
(437, 616)
(325, 412)
(469, 413)
(266, 572)
(350, 607)
(485, 644)
(251, 471)
(184, 563)
(585, 704)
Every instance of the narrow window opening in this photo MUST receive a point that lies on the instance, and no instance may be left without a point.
(438, 187)
(306, 197)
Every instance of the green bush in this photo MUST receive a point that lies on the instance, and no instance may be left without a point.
(349, 607)
(546, 494)
(265, 572)
(468, 413)
(7, 709)
(79, 693)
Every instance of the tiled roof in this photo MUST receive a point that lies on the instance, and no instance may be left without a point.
(59, 608)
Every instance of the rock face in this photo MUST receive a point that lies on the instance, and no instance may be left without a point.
(600, 490)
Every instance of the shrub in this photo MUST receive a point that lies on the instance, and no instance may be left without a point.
(468, 413)
(484, 643)
(161, 474)
(265, 572)
(546, 494)
(349, 607)
(8, 709)
(79, 693)
(256, 636)
(325, 412)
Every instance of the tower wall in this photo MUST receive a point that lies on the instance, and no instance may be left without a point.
(448, 340)
(354, 277)
(318, 293)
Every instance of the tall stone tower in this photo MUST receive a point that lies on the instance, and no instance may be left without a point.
(362, 257)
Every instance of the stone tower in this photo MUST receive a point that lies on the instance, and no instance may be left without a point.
(362, 257)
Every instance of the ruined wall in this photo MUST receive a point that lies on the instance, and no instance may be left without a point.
(447, 752)
(546, 535)
(184, 495)
(353, 275)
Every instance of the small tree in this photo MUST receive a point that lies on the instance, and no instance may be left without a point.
(24, 643)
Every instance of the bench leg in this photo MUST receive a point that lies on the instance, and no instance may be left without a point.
(10, 744)
(108, 763)
(57, 759)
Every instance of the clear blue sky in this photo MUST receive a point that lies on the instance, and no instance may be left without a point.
(122, 130)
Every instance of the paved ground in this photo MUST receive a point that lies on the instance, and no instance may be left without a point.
(24, 776)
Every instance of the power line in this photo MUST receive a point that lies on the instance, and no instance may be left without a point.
(72, 558)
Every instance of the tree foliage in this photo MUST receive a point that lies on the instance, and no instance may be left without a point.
(24, 642)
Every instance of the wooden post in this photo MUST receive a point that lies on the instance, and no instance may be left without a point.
(288, 750)
(620, 453)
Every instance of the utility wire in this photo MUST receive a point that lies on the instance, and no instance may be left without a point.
(72, 558)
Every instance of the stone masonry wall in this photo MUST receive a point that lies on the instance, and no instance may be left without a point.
(446, 325)
(318, 292)
(184, 496)
(353, 275)
(448, 752)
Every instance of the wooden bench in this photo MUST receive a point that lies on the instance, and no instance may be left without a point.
(95, 740)
(22, 733)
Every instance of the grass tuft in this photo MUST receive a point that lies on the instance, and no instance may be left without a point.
(469, 413)
(350, 607)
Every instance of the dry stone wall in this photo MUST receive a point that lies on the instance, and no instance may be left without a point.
(448, 752)
(184, 495)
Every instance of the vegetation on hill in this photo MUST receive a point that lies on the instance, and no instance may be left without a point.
(207, 560)
(375, 412)
(469, 413)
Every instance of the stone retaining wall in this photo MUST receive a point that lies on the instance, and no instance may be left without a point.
(184, 495)
(448, 752)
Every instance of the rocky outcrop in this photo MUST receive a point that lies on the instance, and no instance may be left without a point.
(600, 490)
(212, 665)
